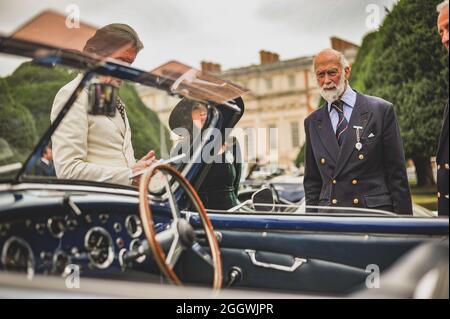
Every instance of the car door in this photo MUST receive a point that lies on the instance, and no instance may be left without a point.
(310, 253)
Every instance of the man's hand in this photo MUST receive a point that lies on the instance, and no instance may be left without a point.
(142, 164)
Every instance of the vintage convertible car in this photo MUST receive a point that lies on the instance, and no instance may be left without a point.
(125, 241)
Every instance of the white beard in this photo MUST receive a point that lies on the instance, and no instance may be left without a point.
(332, 95)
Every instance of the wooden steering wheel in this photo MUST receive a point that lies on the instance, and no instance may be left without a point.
(180, 235)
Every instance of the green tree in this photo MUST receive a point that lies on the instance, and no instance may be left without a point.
(148, 133)
(17, 129)
(35, 87)
(363, 61)
(300, 160)
(404, 62)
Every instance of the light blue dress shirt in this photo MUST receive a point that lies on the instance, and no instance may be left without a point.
(349, 99)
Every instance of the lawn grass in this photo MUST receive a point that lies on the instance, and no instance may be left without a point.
(425, 196)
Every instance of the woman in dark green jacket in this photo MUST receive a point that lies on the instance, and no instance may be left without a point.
(220, 187)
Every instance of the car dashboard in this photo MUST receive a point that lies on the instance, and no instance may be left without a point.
(54, 233)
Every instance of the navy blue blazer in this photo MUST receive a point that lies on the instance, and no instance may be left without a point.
(374, 177)
(42, 169)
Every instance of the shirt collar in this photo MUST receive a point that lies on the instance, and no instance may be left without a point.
(349, 98)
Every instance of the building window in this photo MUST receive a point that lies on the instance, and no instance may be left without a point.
(269, 84)
(295, 134)
(273, 137)
(291, 80)
(249, 142)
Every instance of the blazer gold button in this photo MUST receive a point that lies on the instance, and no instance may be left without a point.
(322, 161)
(334, 201)
(361, 157)
(446, 196)
(355, 182)
(439, 195)
(447, 167)
(356, 201)
(334, 182)
(438, 167)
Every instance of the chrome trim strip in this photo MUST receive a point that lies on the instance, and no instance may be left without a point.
(10, 168)
(59, 187)
(5, 187)
(353, 209)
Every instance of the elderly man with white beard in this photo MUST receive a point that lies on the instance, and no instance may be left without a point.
(354, 152)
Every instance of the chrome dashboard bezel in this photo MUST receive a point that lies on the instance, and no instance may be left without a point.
(111, 255)
(31, 262)
(140, 230)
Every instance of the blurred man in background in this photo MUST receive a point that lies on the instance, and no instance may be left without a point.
(45, 166)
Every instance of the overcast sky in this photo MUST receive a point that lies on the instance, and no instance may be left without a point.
(228, 32)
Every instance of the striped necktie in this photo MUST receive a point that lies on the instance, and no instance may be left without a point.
(342, 125)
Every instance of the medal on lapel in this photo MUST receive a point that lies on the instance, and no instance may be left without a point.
(358, 144)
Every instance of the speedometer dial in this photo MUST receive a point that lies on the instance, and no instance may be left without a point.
(99, 244)
(17, 256)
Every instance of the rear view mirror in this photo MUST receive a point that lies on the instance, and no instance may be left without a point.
(263, 200)
(102, 99)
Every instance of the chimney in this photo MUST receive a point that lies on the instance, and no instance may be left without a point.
(267, 57)
(209, 67)
(342, 45)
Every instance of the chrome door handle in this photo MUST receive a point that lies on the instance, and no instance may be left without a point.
(298, 262)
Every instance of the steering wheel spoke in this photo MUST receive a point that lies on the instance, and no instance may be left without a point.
(172, 201)
(175, 252)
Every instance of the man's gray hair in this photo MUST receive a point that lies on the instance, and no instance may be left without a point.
(112, 37)
(442, 6)
(343, 60)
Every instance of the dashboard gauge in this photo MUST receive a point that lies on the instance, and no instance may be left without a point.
(133, 226)
(56, 226)
(60, 262)
(99, 244)
(17, 256)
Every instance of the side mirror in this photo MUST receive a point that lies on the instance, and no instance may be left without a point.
(102, 99)
(263, 200)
